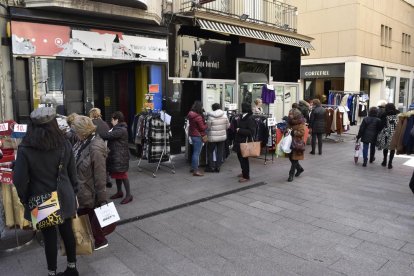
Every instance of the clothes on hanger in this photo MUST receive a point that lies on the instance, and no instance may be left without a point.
(268, 94)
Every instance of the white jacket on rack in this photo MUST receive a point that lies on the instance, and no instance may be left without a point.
(217, 123)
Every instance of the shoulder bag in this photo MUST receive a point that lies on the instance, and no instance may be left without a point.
(45, 208)
(250, 149)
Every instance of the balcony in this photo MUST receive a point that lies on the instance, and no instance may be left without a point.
(270, 13)
(141, 10)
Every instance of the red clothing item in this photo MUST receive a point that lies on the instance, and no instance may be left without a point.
(197, 124)
(119, 175)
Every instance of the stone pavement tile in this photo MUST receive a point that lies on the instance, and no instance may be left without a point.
(12, 265)
(379, 239)
(198, 254)
(395, 269)
(315, 269)
(296, 192)
(370, 227)
(359, 257)
(205, 213)
(187, 267)
(111, 266)
(386, 253)
(299, 216)
(150, 246)
(334, 226)
(408, 248)
(296, 226)
(396, 231)
(318, 251)
(262, 194)
(335, 237)
(238, 198)
(265, 206)
(339, 211)
(350, 268)
(375, 214)
(215, 207)
(250, 210)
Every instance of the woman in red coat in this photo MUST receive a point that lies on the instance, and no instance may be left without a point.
(196, 130)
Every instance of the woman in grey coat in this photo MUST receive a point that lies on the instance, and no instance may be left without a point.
(42, 151)
(90, 155)
(317, 125)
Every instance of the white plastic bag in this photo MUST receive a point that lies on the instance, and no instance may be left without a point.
(286, 142)
(107, 214)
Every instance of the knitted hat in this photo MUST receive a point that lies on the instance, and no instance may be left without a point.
(43, 115)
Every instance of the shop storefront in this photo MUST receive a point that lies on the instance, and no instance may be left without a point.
(320, 79)
(75, 69)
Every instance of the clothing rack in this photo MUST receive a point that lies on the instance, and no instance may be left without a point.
(267, 115)
(164, 151)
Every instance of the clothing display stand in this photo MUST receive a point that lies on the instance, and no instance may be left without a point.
(21, 237)
(164, 151)
(266, 146)
(340, 139)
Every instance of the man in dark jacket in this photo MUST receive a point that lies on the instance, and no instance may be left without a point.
(317, 125)
(368, 132)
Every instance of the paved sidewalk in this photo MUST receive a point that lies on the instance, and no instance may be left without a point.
(337, 218)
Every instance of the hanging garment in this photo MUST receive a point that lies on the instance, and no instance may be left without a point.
(268, 95)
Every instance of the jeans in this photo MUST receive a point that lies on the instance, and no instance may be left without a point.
(365, 150)
(197, 145)
(319, 136)
(218, 147)
(51, 243)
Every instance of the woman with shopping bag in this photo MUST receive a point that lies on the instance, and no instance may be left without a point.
(245, 131)
(44, 154)
(90, 156)
(296, 123)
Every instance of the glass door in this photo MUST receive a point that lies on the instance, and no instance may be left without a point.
(286, 95)
(218, 92)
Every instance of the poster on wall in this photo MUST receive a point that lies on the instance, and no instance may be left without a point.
(36, 39)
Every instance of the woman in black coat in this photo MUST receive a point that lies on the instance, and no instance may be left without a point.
(317, 125)
(118, 158)
(246, 130)
(368, 132)
(39, 156)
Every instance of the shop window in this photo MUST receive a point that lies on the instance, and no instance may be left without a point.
(386, 36)
(390, 84)
(402, 96)
(406, 43)
(309, 90)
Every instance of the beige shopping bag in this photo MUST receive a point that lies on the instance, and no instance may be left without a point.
(85, 243)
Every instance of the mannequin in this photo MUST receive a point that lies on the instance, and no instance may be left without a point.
(257, 109)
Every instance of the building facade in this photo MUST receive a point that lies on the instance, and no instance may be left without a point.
(74, 55)
(360, 46)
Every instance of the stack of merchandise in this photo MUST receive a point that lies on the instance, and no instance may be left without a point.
(11, 209)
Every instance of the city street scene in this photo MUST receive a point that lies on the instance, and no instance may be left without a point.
(206, 137)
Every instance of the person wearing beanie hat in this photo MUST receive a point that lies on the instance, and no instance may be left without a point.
(39, 156)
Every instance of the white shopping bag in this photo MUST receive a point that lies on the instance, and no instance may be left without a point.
(107, 214)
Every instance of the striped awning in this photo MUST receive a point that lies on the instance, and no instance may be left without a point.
(246, 32)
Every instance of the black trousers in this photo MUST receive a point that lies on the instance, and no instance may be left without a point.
(244, 164)
(294, 165)
(412, 183)
(313, 143)
(51, 243)
(218, 147)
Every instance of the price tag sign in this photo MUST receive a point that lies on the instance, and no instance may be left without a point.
(232, 106)
(4, 127)
(271, 121)
(20, 128)
(6, 177)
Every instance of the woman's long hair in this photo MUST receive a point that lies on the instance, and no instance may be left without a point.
(44, 137)
(197, 107)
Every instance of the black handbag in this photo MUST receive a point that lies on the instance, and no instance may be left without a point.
(45, 208)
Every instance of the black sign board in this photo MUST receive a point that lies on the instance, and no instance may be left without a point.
(322, 71)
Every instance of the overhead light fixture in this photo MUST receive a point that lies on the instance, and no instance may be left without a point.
(244, 16)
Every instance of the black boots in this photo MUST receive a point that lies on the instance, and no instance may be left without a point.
(390, 165)
(290, 179)
(365, 163)
(371, 159)
(299, 171)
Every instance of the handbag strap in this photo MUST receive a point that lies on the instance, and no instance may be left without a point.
(60, 167)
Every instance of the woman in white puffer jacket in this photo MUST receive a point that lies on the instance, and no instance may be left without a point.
(217, 123)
